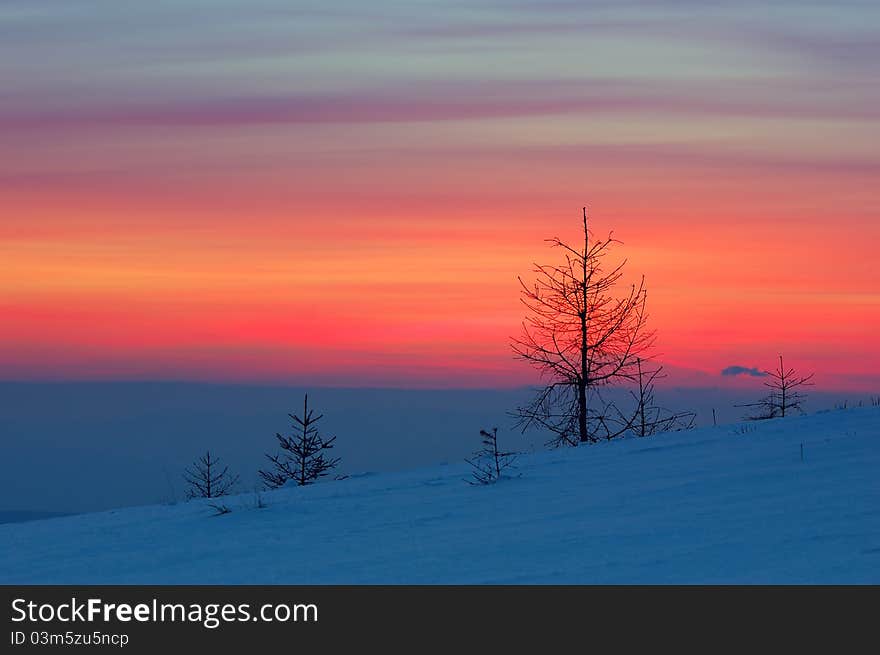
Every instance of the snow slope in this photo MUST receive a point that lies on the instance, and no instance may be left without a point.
(714, 505)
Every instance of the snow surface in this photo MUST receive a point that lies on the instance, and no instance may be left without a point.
(730, 504)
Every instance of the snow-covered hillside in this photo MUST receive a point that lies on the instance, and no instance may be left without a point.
(732, 504)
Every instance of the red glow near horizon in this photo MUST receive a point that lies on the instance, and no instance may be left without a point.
(405, 307)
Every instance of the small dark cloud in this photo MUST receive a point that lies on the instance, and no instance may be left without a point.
(743, 370)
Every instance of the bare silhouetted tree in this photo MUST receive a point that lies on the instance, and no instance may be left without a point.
(488, 463)
(208, 478)
(303, 458)
(785, 395)
(581, 335)
(649, 418)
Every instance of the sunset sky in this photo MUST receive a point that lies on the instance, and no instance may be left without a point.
(343, 193)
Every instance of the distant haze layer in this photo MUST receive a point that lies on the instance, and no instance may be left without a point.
(86, 446)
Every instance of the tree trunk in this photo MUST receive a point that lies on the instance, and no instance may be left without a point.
(582, 411)
(643, 422)
(782, 385)
(582, 381)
